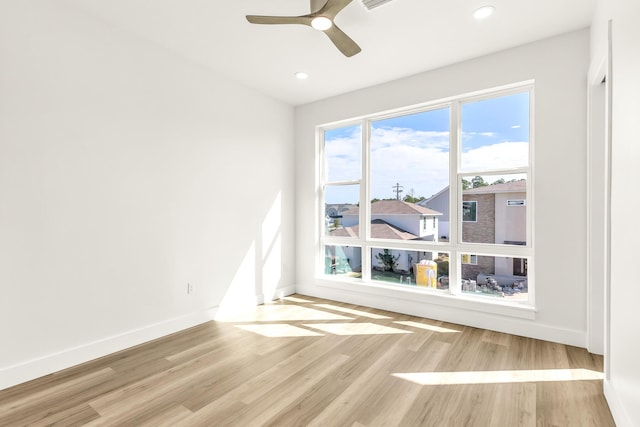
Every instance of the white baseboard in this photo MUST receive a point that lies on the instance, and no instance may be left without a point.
(279, 293)
(45, 365)
(615, 406)
(499, 322)
(284, 292)
(39, 367)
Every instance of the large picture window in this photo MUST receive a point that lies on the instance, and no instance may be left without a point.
(407, 196)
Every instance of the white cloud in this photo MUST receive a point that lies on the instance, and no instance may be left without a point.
(469, 135)
(418, 160)
(496, 156)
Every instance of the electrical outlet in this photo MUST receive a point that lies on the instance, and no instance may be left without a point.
(189, 288)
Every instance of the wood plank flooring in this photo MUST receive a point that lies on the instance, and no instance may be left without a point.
(304, 361)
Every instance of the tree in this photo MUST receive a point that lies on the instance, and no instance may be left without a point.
(412, 199)
(389, 262)
(478, 181)
(498, 181)
(465, 184)
(380, 200)
(443, 265)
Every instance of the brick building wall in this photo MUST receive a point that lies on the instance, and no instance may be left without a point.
(484, 229)
(481, 231)
(486, 264)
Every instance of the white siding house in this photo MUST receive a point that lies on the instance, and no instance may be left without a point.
(421, 222)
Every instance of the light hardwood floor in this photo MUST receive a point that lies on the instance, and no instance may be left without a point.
(304, 361)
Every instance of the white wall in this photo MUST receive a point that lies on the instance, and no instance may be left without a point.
(622, 384)
(511, 221)
(126, 172)
(559, 67)
(440, 203)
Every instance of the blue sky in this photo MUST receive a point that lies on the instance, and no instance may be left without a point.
(506, 117)
(413, 150)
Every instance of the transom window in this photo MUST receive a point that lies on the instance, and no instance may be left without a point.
(425, 198)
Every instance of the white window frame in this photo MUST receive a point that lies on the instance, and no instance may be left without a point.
(454, 246)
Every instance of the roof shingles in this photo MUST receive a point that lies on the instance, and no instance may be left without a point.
(394, 207)
(380, 229)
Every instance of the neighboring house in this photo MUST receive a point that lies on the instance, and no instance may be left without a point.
(390, 219)
(499, 214)
(491, 214)
(439, 202)
(336, 209)
(420, 222)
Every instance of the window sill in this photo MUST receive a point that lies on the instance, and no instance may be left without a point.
(428, 296)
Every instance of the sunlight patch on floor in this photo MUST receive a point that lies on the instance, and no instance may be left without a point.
(493, 377)
(279, 330)
(279, 313)
(296, 299)
(356, 329)
(427, 327)
(351, 311)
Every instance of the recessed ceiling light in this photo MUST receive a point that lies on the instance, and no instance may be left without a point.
(301, 75)
(483, 12)
(321, 23)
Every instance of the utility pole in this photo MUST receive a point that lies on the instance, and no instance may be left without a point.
(397, 189)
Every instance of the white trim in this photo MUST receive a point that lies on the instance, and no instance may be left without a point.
(285, 292)
(596, 250)
(454, 245)
(429, 297)
(518, 321)
(609, 166)
(504, 90)
(47, 364)
(620, 416)
(279, 293)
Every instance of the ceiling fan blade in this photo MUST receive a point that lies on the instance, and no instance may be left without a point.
(332, 7)
(342, 41)
(258, 19)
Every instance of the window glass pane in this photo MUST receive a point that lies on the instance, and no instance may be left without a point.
(495, 276)
(341, 210)
(343, 260)
(495, 133)
(410, 268)
(404, 165)
(469, 211)
(343, 153)
(487, 215)
(409, 168)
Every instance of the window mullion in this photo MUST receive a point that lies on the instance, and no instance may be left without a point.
(321, 209)
(393, 236)
(455, 198)
(365, 197)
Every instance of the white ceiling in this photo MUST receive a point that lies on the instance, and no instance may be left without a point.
(398, 39)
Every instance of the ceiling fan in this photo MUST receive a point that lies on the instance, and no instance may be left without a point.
(321, 18)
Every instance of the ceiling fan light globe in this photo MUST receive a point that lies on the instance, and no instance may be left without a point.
(321, 23)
